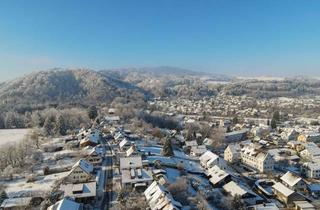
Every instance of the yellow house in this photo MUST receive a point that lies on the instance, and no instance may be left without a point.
(302, 138)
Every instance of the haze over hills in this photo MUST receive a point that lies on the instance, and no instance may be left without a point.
(61, 87)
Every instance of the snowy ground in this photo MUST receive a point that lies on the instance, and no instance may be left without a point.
(43, 184)
(8, 136)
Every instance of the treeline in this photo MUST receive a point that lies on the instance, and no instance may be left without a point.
(51, 120)
(159, 121)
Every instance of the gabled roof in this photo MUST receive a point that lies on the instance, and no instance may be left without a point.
(65, 204)
(191, 143)
(207, 156)
(84, 165)
(234, 189)
(217, 174)
(159, 198)
(290, 179)
(124, 142)
(282, 189)
(81, 190)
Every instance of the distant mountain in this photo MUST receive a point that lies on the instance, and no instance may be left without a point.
(56, 87)
(82, 87)
(169, 81)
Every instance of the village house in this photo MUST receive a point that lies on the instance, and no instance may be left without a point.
(217, 176)
(249, 197)
(264, 206)
(232, 153)
(90, 138)
(286, 195)
(209, 159)
(132, 151)
(95, 156)
(258, 160)
(236, 136)
(124, 144)
(81, 192)
(311, 170)
(289, 134)
(198, 150)
(65, 204)
(160, 198)
(293, 181)
(133, 175)
(309, 137)
(80, 172)
(311, 151)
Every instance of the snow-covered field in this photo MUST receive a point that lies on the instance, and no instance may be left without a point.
(43, 185)
(10, 136)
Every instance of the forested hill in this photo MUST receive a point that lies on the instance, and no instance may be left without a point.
(63, 87)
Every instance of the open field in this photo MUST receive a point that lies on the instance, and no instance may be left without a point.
(10, 136)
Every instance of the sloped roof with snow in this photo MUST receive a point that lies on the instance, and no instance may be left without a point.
(217, 174)
(65, 204)
(84, 165)
(208, 155)
(282, 189)
(290, 178)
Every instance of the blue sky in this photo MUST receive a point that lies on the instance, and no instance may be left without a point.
(240, 37)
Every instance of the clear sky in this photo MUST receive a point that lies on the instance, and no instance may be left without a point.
(240, 37)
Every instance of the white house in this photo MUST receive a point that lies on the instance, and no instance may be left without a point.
(311, 151)
(232, 153)
(80, 172)
(160, 198)
(259, 160)
(133, 175)
(209, 159)
(311, 170)
(246, 194)
(218, 177)
(293, 181)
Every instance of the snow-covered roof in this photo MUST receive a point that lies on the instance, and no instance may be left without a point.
(282, 189)
(123, 143)
(216, 174)
(191, 143)
(207, 156)
(84, 165)
(80, 190)
(16, 202)
(265, 206)
(159, 198)
(131, 150)
(290, 178)
(65, 204)
(131, 162)
(234, 189)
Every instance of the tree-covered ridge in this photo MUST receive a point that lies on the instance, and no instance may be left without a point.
(59, 87)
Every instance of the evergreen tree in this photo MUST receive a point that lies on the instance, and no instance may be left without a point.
(3, 196)
(273, 124)
(167, 149)
(48, 125)
(235, 120)
(92, 112)
(60, 126)
(276, 116)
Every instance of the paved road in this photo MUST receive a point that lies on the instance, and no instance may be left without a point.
(107, 170)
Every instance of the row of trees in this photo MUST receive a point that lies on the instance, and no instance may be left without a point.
(15, 157)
